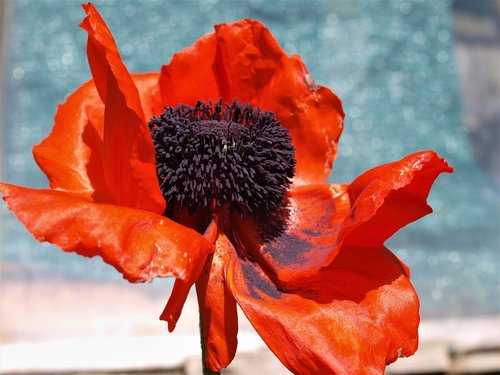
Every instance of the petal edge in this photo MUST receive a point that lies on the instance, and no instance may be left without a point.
(390, 196)
(139, 244)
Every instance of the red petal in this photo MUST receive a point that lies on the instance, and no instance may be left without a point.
(311, 240)
(190, 76)
(217, 308)
(140, 244)
(252, 67)
(71, 155)
(181, 288)
(242, 60)
(325, 217)
(180, 291)
(128, 155)
(360, 315)
(149, 92)
(386, 198)
(379, 281)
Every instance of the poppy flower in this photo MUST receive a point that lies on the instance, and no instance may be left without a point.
(213, 171)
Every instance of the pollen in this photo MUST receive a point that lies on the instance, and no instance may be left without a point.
(222, 154)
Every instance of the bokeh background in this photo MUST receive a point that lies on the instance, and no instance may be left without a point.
(413, 75)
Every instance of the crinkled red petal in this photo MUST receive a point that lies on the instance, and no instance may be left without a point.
(72, 154)
(243, 61)
(140, 244)
(217, 308)
(252, 67)
(388, 197)
(360, 316)
(324, 218)
(128, 156)
(312, 237)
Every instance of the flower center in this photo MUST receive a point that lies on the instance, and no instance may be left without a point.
(215, 154)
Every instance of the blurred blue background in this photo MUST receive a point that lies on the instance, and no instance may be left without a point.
(412, 75)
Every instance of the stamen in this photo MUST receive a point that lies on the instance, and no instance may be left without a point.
(232, 155)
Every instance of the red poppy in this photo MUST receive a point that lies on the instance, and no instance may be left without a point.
(307, 264)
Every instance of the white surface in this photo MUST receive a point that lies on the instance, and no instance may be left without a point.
(98, 354)
(109, 354)
(438, 338)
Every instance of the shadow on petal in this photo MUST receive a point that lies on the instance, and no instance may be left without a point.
(364, 300)
(311, 239)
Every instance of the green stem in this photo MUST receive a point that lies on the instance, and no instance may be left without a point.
(206, 370)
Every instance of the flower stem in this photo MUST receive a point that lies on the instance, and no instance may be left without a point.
(206, 369)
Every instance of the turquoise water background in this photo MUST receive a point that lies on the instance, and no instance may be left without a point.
(391, 62)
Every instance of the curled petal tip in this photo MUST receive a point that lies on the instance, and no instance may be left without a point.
(390, 196)
(88, 7)
(89, 10)
(170, 321)
(428, 155)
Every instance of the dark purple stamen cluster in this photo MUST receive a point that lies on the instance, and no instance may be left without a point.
(228, 154)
